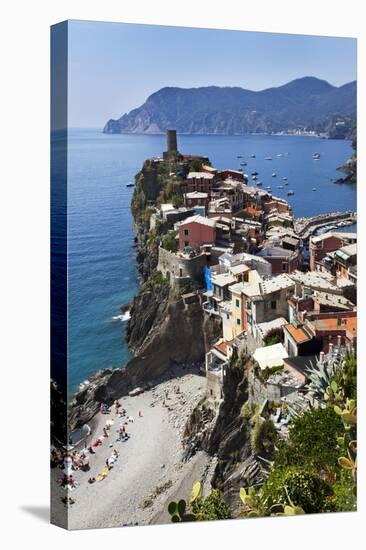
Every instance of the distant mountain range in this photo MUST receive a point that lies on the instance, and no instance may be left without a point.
(307, 103)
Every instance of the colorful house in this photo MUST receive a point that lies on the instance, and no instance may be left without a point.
(196, 231)
(321, 245)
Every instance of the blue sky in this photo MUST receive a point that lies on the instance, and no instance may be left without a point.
(114, 67)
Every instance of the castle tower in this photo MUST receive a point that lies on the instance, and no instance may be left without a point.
(171, 140)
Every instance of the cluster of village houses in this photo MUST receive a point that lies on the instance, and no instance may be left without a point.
(256, 276)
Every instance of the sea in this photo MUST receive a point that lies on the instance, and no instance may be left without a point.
(102, 273)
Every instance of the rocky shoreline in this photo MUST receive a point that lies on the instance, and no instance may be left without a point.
(162, 332)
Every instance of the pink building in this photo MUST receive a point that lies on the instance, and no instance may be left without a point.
(196, 231)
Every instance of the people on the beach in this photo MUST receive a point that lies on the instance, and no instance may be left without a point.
(69, 459)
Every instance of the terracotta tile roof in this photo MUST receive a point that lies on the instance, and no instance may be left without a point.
(221, 346)
(252, 211)
(298, 334)
(348, 323)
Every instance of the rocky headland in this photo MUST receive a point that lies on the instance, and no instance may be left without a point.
(162, 331)
(306, 102)
(350, 167)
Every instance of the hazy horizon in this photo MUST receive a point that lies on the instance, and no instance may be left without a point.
(115, 67)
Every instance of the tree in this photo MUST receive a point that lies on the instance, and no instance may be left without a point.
(169, 242)
(312, 440)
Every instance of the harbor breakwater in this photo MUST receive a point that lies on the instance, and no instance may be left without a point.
(305, 227)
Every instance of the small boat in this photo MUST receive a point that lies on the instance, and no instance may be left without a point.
(316, 156)
(255, 173)
(268, 158)
(274, 175)
(279, 155)
(243, 164)
(268, 187)
(239, 157)
(289, 193)
(259, 183)
(284, 178)
(286, 183)
(314, 189)
(279, 186)
(240, 169)
(253, 156)
(130, 185)
(254, 177)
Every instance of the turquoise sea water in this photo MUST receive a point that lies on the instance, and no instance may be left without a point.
(101, 258)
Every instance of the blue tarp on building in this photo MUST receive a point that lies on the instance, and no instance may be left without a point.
(207, 278)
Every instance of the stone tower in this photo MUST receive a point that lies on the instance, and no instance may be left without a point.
(171, 140)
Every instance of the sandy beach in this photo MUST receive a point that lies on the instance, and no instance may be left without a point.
(149, 471)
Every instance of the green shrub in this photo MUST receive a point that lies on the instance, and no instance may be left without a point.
(211, 508)
(344, 497)
(312, 440)
(274, 336)
(169, 242)
(300, 487)
(264, 374)
(158, 279)
(264, 437)
(177, 201)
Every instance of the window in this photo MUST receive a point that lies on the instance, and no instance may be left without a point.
(186, 243)
(284, 266)
(238, 321)
(237, 303)
(273, 304)
(186, 232)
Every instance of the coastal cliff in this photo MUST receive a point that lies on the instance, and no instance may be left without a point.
(350, 167)
(163, 334)
(163, 331)
(228, 434)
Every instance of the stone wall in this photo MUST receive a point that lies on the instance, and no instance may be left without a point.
(180, 268)
(213, 387)
(259, 392)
